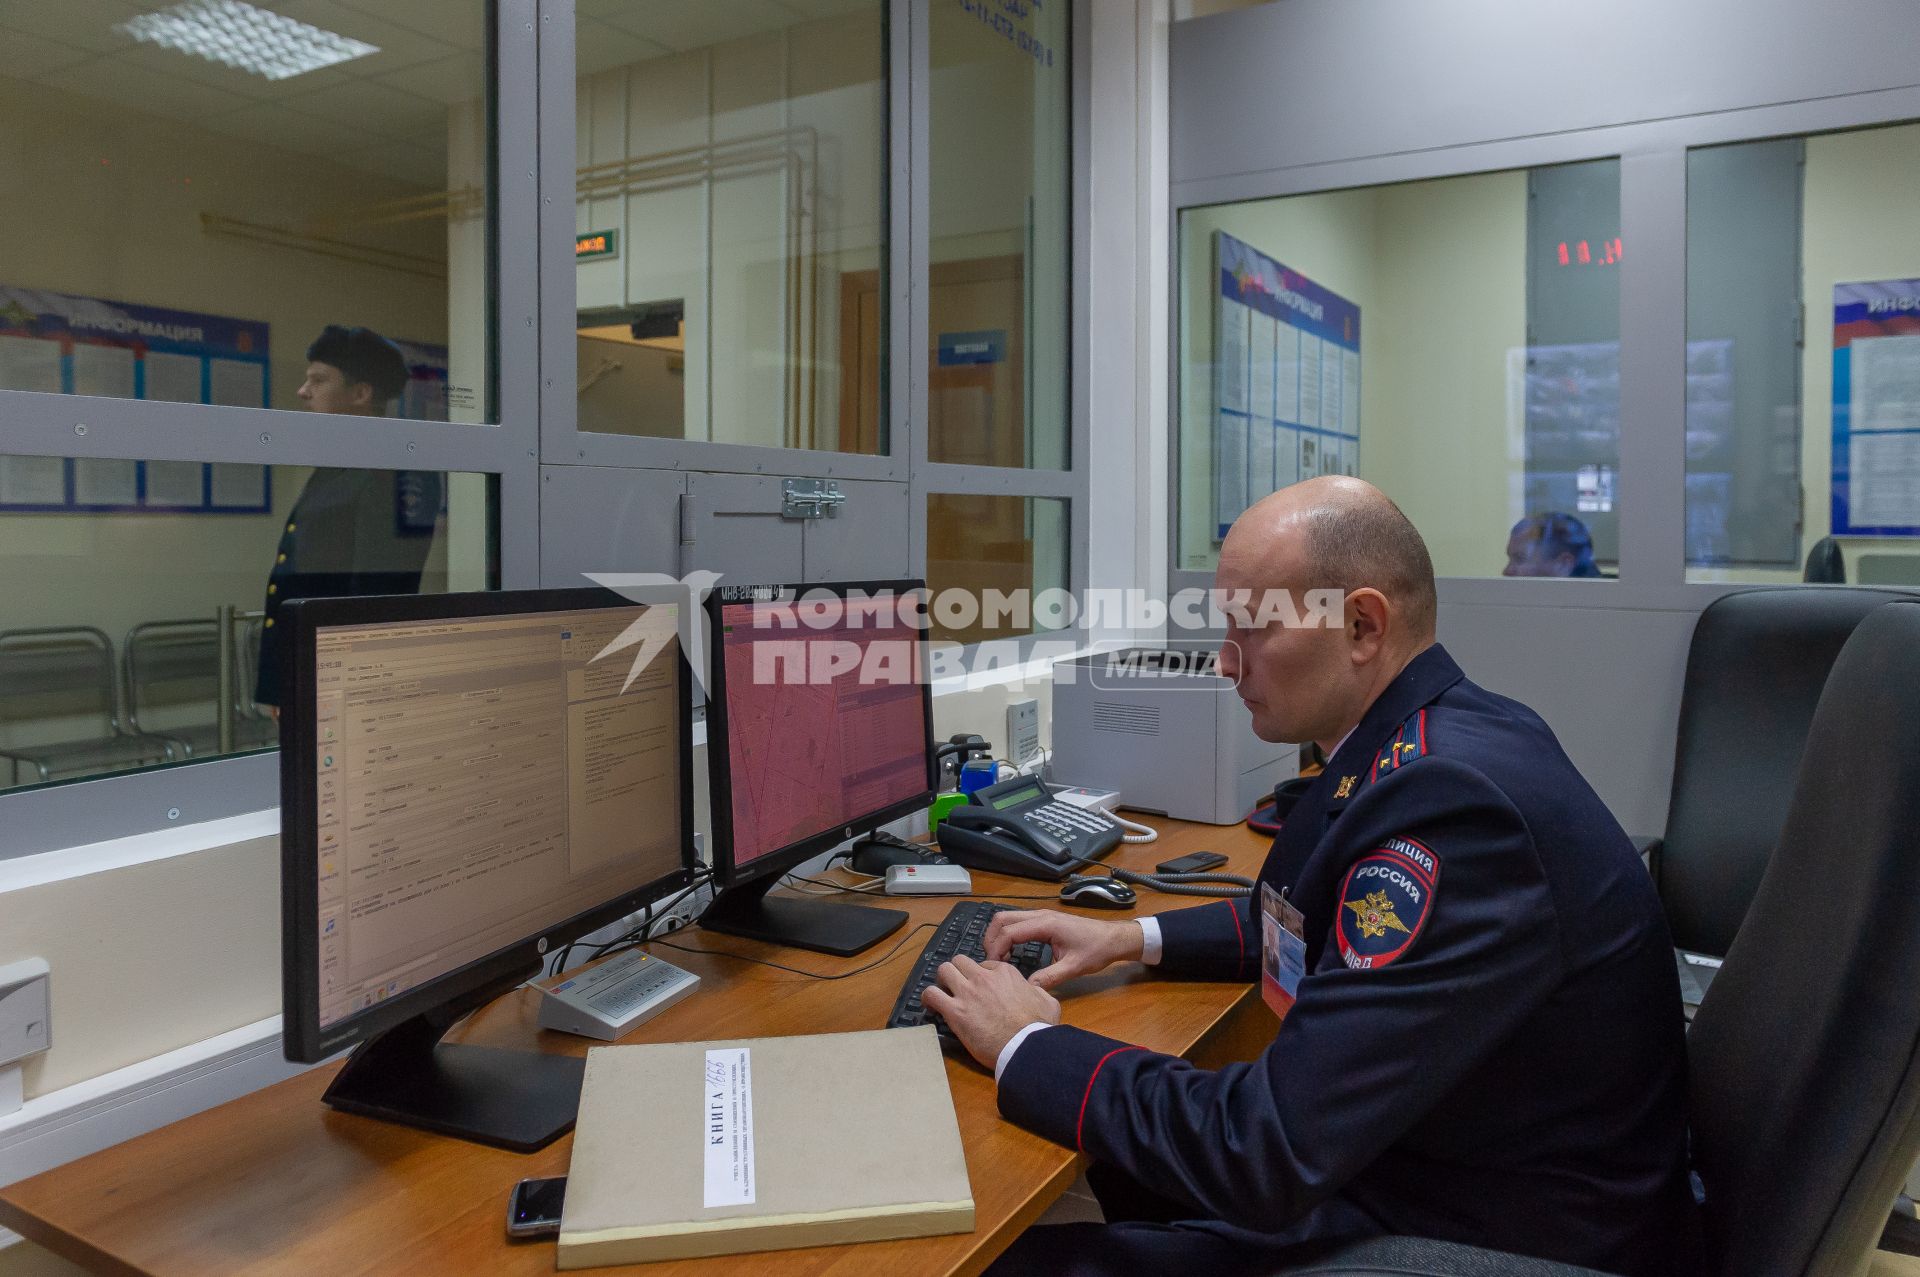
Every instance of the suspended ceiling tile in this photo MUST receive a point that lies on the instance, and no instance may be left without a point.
(598, 47)
(379, 110)
(451, 80)
(27, 57)
(399, 42)
(461, 23)
(814, 10)
(695, 26)
(195, 70)
(86, 24)
(287, 129)
(415, 165)
(120, 79)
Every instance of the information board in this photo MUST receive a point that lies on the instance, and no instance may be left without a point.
(1876, 408)
(59, 343)
(1286, 356)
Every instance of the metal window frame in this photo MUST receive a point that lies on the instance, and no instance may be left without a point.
(533, 178)
(930, 478)
(1653, 284)
(80, 812)
(562, 442)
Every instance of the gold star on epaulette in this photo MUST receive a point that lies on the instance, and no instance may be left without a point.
(1376, 916)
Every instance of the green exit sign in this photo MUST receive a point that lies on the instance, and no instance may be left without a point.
(596, 244)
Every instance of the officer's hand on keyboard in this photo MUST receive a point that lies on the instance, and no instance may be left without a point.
(1081, 946)
(985, 1004)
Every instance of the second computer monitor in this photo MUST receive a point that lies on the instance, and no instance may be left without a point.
(819, 729)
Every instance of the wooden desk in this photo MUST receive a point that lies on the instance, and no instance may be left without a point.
(275, 1182)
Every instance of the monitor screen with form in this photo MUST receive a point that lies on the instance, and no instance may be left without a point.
(478, 781)
(826, 720)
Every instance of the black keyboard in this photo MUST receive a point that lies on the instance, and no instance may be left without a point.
(963, 930)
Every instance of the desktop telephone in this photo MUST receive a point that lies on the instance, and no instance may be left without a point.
(1017, 827)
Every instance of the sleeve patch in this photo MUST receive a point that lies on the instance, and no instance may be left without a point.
(1385, 901)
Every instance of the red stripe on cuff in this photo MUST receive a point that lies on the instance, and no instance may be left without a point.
(1080, 1122)
(1239, 933)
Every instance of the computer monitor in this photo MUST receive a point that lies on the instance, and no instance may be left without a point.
(466, 784)
(819, 729)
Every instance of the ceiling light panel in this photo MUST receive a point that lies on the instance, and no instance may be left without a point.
(245, 37)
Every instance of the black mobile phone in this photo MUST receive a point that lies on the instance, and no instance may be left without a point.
(534, 1209)
(1196, 862)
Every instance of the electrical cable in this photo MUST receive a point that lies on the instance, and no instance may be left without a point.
(702, 877)
(811, 975)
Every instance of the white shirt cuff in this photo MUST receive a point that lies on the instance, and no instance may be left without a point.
(1013, 1044)
(1149, 940)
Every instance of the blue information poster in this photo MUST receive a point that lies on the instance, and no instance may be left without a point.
(1286, 356)
(59, 343)
(1876, 408)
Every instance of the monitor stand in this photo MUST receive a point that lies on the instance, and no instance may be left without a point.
(821, 925)
(518, 1100)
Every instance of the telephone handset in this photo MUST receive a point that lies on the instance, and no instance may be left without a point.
(1017, 827)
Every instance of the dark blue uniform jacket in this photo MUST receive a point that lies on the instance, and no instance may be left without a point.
(1488, 1045)
(352, 532)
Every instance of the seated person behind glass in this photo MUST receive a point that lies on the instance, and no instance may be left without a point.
(1551, 544)
(349, 533)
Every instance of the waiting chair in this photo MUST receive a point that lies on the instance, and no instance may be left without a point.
(1805, 1056)
(173, 680)
(1755, 669)
(64, 675)
(1825, 564)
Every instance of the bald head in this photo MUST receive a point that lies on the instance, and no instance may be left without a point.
(1338, 533)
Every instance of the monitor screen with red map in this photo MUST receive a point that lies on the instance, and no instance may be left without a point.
(824, 717)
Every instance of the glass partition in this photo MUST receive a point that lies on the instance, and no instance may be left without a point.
(730, 220)
(1000, 205)
(1803, 369)
(216, 203)
(140, 598)
(996, 565)
(1455, 342)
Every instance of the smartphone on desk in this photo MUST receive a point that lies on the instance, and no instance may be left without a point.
(534, 1208)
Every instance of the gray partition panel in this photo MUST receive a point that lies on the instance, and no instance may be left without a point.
(1311, 81)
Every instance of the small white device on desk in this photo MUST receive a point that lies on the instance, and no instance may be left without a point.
(605, 999)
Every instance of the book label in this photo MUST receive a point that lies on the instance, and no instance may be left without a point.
(728, 1127)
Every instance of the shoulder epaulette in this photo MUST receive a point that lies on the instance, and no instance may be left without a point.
(1407, 744)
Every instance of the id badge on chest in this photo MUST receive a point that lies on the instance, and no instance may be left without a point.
(1283, 950)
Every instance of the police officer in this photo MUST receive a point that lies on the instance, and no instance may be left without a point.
(352, 531)
(1550, 544)
(1482, 1037)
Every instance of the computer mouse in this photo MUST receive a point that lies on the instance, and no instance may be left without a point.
(1097, 892)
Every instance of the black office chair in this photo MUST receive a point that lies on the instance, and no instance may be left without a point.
(1754, 672)
(1825, 566)
(1805, 1056)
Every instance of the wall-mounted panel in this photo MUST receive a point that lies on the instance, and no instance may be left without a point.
(1309, 81)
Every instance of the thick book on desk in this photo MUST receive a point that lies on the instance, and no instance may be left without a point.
(714, 1148)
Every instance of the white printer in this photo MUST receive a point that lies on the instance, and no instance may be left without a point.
(1163, 728)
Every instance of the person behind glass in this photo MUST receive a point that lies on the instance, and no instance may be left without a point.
(1484, 1040)
(349, 533)
(1550, 544)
